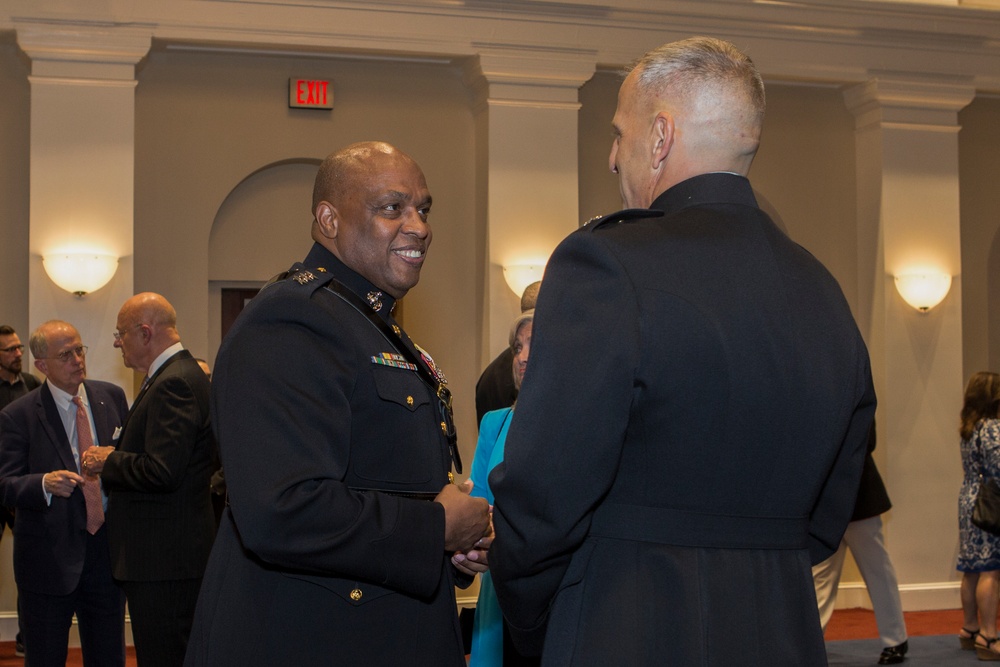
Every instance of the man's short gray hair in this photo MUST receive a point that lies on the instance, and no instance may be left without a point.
(682, 67)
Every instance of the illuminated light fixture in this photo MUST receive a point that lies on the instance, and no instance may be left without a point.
(519, 276)
(923, 290)
(80, 273)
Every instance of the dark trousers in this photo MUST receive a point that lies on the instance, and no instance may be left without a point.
(512, 657)
(162, 613)
(99, 605)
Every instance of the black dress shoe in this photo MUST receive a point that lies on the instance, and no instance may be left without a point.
(893, 655)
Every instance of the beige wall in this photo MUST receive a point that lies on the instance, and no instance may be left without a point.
(804, 175)
(207, 123)
(979, 169)
(14, 148)
(599, 194)
(13, 236)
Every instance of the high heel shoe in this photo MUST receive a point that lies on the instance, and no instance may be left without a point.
(986, 652)
(968, 642)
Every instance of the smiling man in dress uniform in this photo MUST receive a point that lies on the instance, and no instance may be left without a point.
(337, 440)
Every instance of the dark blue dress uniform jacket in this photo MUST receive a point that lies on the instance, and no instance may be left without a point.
(311, 566)
(688, 440)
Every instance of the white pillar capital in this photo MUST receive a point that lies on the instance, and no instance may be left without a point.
(84, 51)
(892, 100)
(517, 76)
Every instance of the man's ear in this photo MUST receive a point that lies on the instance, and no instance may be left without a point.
(42, 367)
(663, 138)
(327, 219)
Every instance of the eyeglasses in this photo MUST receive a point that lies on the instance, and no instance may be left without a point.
(70, 354)
(119, 334)
(13, 348)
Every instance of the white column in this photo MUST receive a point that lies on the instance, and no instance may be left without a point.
(527, 144)
(908, 218)
(82, 162)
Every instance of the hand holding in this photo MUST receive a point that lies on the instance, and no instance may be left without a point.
(61, 482)
(476, 560)
(466, 519)
(94, 458)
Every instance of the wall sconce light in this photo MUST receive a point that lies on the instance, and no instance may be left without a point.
(519, 276)
(80, 273)
(923, 290)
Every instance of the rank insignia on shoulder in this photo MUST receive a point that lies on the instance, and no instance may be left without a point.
(626, 215)
(303, 277)
(394, 360)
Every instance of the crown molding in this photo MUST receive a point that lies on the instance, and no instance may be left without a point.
(822, 41)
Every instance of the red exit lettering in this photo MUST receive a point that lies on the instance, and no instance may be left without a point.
(310, 93)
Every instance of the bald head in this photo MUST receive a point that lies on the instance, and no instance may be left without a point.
(343, 171)
(59, 354)
(146, 326)
(370, 208)
(696, 106)
(39, 341)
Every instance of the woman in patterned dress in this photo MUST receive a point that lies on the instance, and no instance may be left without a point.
(979, 551)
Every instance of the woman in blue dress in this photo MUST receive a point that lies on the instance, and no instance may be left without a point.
(488, 648)
(979, 551)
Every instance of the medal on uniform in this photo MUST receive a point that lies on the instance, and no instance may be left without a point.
(435, 371)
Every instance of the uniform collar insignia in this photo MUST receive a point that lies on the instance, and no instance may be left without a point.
(303, 277)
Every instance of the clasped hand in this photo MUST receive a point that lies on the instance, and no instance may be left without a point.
(476, 560)
(94, 458)
(468, 527)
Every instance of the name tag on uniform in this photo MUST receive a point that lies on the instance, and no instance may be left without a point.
(394, 360)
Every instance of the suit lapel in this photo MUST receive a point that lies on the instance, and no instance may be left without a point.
(52, 424)
(152, 380)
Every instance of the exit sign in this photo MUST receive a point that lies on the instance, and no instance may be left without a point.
(309, 94)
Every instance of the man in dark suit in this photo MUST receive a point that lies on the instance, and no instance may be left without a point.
(160, 514)
(61, 559)
(690, 432)
(337, 440)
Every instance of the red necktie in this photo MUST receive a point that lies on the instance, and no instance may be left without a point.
(92, 488)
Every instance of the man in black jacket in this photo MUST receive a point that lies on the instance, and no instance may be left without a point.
(337, 440)
(690, 432)
(160, 518)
